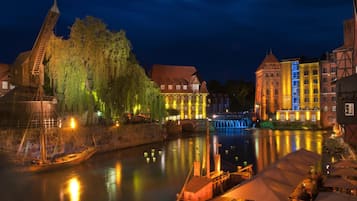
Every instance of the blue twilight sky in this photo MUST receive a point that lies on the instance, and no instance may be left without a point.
(224, 39)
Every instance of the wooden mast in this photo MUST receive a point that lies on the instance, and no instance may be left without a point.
(207, 151)
(37, 71)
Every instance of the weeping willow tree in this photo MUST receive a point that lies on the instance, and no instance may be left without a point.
(95, 70)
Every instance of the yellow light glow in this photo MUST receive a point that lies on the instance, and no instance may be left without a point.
(189, 108)
(118, 170)
(308, 115)
(73, 123)
(286, 115)
(166, 102)
(318, 116)
(297, 116)
(277, 116)
(196, 106)
(204, 107)
(73, 189)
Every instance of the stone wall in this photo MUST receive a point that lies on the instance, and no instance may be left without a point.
(69, 140)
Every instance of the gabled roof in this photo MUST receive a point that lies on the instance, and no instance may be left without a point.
(176, 75)
(269, 58)
(165, 74)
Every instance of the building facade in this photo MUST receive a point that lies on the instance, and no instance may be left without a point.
(267, 87)
(288, 90)
(184, 93)
(5, 79)
(336, 65)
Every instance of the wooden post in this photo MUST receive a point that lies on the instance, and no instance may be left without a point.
(207, 150)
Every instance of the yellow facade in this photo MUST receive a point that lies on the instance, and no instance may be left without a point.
(189, 106)
(309, 86)
(286, 85)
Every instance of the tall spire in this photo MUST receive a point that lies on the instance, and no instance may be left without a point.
(54, 7)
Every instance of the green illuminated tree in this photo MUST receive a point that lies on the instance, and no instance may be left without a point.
(95, 69)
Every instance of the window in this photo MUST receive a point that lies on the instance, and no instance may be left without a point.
(178, 87)
(332, 89)
(314, 72)
(316, 91)
(184, 87)
(170, 87)
(268, 91)
(324, 70)
(5, 85)
(316, 100)
(333, 70)
(195, 87)
(276, 92)
(306, 81)
(162, 87)
(324, 79)
(306, 72)
(333, 108)
(306, 100)
(315, 81)
(333, 98)
(306, 91)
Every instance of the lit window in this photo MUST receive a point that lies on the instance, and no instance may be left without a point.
(195, 87)
(5, 85)
(184, 87)
(170, 87)
(334, 108)
(162, 87)
(178, 87)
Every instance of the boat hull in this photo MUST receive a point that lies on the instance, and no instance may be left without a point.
(61, 162)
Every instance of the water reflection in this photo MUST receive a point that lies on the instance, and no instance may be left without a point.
(157, 171)
(72, 190)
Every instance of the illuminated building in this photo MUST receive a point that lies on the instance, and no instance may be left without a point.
(184, 94)
(267, 96)
(288, 90)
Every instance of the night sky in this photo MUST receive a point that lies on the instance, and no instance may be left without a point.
(224, 39)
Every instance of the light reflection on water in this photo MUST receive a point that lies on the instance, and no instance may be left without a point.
(132, 175)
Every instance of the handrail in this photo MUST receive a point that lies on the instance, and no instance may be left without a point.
(179, 196)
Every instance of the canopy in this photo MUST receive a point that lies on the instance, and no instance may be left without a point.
(344, 172)
(331, 196)
(277, 182)
(340, 182)
(345, 164)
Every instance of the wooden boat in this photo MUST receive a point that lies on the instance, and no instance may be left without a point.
(60, 161)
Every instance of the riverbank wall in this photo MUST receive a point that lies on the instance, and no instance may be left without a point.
(105, 138)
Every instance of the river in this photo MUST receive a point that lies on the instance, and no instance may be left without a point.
(155, 171)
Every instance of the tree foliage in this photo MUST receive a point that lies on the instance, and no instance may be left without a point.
(95, 69)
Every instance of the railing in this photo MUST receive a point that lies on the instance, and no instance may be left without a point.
(180, 195)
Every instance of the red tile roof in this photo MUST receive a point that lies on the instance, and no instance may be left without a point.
(269, 58)
(176, 75)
